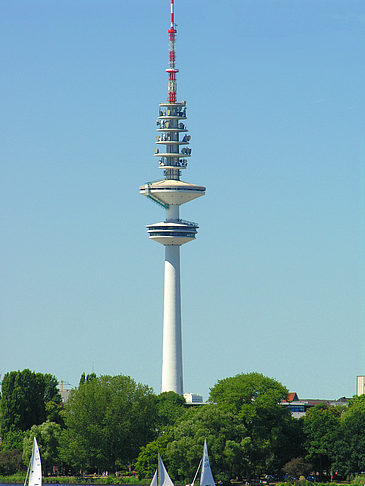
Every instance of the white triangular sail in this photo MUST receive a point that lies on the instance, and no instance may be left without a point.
(206, 476)
(154, 481)
(35, 467)
(163, 476)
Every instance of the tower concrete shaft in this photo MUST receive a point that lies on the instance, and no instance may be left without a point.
(172, 369)
(170, 193)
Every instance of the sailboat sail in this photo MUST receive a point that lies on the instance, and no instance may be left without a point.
(154, 481)
(163, 476)
(206, 476)
(35, 467)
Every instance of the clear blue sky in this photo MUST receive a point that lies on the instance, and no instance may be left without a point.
(274, 282)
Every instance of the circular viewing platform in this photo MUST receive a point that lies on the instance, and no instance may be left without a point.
(171, 130)
(170, 191)
(179, 165)
(171, 142)
(171, 105)
(172, 117)
(175, 232)
(174, 155)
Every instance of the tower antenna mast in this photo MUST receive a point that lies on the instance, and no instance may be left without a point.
(172, 86)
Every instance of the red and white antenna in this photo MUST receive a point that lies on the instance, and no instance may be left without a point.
(172, 85)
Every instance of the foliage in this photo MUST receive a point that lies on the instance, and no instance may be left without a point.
(108, 419)
(87, 378)
(349, 449)
(110, 479)
(55, 413)
(293, 440)
(224, 434)
(297, 467)
(19, 478)
(48, 438)
(146, 462)
(170, 407)
(23, 400)
(181, 446)
(16, 478)
(275, 437)
(359, 479)
(321, 426)
(238, 393)
(10, 461)
(13, 440)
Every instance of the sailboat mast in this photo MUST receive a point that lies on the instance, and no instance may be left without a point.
(26, 477)
(200, 463)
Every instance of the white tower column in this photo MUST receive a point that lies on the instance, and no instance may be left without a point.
(173, 152)
(172, 373)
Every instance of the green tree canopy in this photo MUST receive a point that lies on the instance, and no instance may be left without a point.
(146, 463)
(10, 461)
(181, 445)
(227, 439)
(13, 440)
(48, 437)
(255, 400)
(24, 398)
(321, 426)
(238, 393)
(108, 419)
(349, 448)
(86, 378)
(170, 407)
(297, 467)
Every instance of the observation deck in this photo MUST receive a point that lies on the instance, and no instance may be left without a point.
(173, 156)
(176, 155)
(162, 141)
(174, 232)
(166, 129)
(169, 105)
(171, 117)
(172, 191)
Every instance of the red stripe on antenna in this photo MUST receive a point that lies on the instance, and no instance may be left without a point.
(172, 86)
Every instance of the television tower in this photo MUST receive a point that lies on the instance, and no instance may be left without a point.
(172, 151)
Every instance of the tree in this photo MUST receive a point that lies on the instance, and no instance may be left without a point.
(181, 445)
(215, 425)
(108, 419)
(10, 461)
(48, 437)
(55, 413)
(51, 392)
(349, 447)
(255, 400)
(297, 467)
(24, 398)
(87, 378)
(146, 462)
(238, 393)
(321, 427)
(13, 440)
(170, 407)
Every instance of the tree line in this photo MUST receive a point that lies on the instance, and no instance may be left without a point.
(112, 423)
